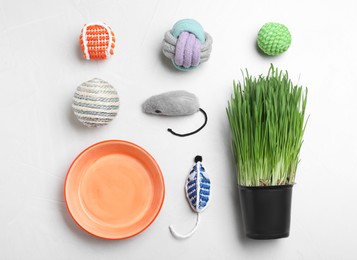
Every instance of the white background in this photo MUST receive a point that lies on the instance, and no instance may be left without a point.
(41, 66)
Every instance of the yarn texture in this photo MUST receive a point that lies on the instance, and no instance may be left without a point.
(187, 45)
(198, 187)
(198, 193)
(274, 38)
(95, 103)
(97, 41)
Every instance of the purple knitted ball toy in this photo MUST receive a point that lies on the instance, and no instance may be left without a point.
(187, 45)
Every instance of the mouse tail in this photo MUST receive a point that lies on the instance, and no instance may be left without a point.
(183, 236)
(194, 132)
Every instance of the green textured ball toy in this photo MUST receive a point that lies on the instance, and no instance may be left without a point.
(274, 38)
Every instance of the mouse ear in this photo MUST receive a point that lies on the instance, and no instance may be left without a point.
(194, 132)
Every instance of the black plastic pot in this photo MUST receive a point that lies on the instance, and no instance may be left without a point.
(266, 211)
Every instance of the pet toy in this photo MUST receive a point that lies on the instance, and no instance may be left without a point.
(187, 45)
(97, 41)
(95, 103)
(174, 103)
(198, 193)
(274, 38)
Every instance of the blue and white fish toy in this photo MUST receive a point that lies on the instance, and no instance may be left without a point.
(198, 193)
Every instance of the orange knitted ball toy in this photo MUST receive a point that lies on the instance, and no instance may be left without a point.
(97, 41)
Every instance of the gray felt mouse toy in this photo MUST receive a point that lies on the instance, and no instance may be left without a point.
(174, 103)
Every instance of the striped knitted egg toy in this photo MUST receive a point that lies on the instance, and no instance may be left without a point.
(274, 38)
(198, 193)
(187, 44)
(95, 103)
(97, 41)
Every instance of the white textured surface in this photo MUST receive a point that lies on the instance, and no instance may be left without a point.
(41, 65)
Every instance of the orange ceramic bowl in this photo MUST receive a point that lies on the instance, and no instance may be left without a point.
(114, 189)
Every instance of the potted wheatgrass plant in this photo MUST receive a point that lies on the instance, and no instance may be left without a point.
(266, 117)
